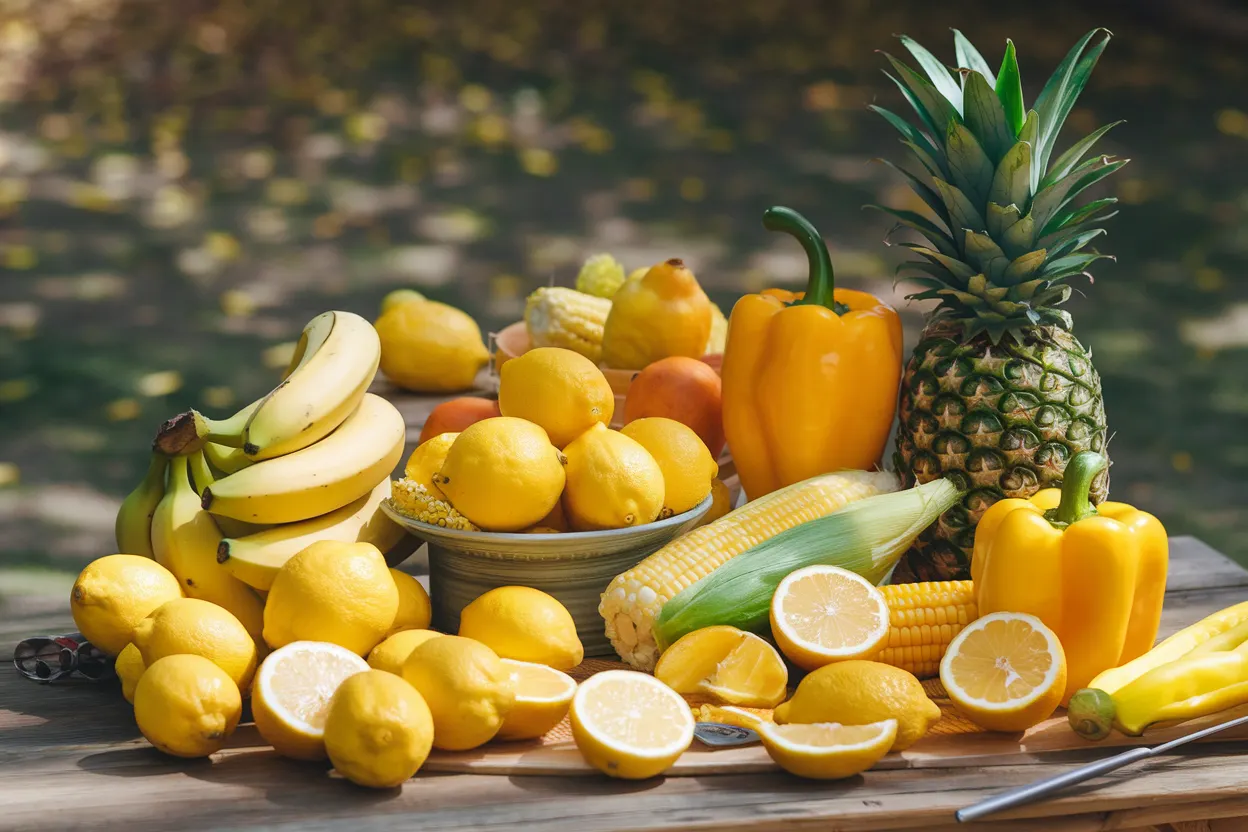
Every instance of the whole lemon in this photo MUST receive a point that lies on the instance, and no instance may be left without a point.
(114, 593)
(560, 390)
(688, 467)
(430, 347)
(398, 297)
(199, 628)
(613, 482)
(428, 459)
(502, 474)
(415, 611)
(467, 687)
(342, 593)
(526, 624)
(129, 668)
(187, 706)
(859, 692)
(378, 731)
(393, 652)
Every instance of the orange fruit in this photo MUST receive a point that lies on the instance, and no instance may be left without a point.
(684, 389)
(457, 414)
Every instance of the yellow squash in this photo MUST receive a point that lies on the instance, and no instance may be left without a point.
(1095, 576)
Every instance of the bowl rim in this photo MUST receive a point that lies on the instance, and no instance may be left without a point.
(419, 527)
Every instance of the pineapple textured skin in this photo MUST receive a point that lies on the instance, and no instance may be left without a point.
(1000, 420)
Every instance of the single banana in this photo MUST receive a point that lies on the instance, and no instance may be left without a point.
(201, 474)
(134, 518)
(188, 432)
(225, 459)
(338, 470)
(185, 540)
(321, 391)
(256, 559)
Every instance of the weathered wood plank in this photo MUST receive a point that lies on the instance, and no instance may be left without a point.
(72, 758)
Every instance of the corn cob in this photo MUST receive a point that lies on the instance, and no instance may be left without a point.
(719, 331)
(412, 499)
(556, 316)
(923, 619)
(634, 599)
(600, 276)
(866, 537)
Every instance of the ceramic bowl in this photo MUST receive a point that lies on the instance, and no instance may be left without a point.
(574, 567)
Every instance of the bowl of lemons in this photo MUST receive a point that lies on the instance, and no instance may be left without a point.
(547, 495)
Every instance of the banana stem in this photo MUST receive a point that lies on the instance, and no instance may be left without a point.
(1076, 482)
(820, 288)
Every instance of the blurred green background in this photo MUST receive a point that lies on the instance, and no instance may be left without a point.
(184, 184)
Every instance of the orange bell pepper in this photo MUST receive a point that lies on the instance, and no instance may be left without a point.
(809, 380)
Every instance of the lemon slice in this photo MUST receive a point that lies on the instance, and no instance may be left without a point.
(630, 725)
(543, 695)
(731, 666)
(827, 750)
(824, 614)
(291, 694)
(1005, 671)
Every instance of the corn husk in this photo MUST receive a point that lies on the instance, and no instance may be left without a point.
(867, 537)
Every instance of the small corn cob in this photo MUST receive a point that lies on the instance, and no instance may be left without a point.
(556, 316)
(923, 618)
(719, 331)
(634, 599)
(412, 499)
(600, 276)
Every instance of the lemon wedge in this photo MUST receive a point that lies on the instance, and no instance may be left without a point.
(827, 750)
(824, 614)
(1005, 671)
(630, 725)
(543, 696)
(731, 666)
(291, 693)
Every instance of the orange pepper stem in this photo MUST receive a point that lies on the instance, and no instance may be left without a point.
(821, 286)
(1076, 482)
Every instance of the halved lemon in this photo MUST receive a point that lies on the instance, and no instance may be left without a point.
(1005, 671)
(825, 614)
(827, 750)
(543, 695)
(291, 694)
(629, 724)
(730, 715)
(729, 665)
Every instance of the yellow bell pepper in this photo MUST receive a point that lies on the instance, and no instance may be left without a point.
(1095, 576)
(809, 380)
(1198, 671)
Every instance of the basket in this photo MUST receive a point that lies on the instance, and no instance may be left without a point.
(574, 567)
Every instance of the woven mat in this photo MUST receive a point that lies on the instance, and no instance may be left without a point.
(951, 722)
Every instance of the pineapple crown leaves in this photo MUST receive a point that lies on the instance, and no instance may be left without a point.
(1005, 230)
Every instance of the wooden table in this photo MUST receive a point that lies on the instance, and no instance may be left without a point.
(72, 758)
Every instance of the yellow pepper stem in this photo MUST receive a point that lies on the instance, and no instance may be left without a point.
(820, 288)
(1076, 482)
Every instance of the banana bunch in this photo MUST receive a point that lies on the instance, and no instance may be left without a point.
(225, 503)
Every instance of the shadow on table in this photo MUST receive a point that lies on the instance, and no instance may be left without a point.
(43, 715)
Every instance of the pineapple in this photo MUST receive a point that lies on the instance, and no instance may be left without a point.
(999, 393)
